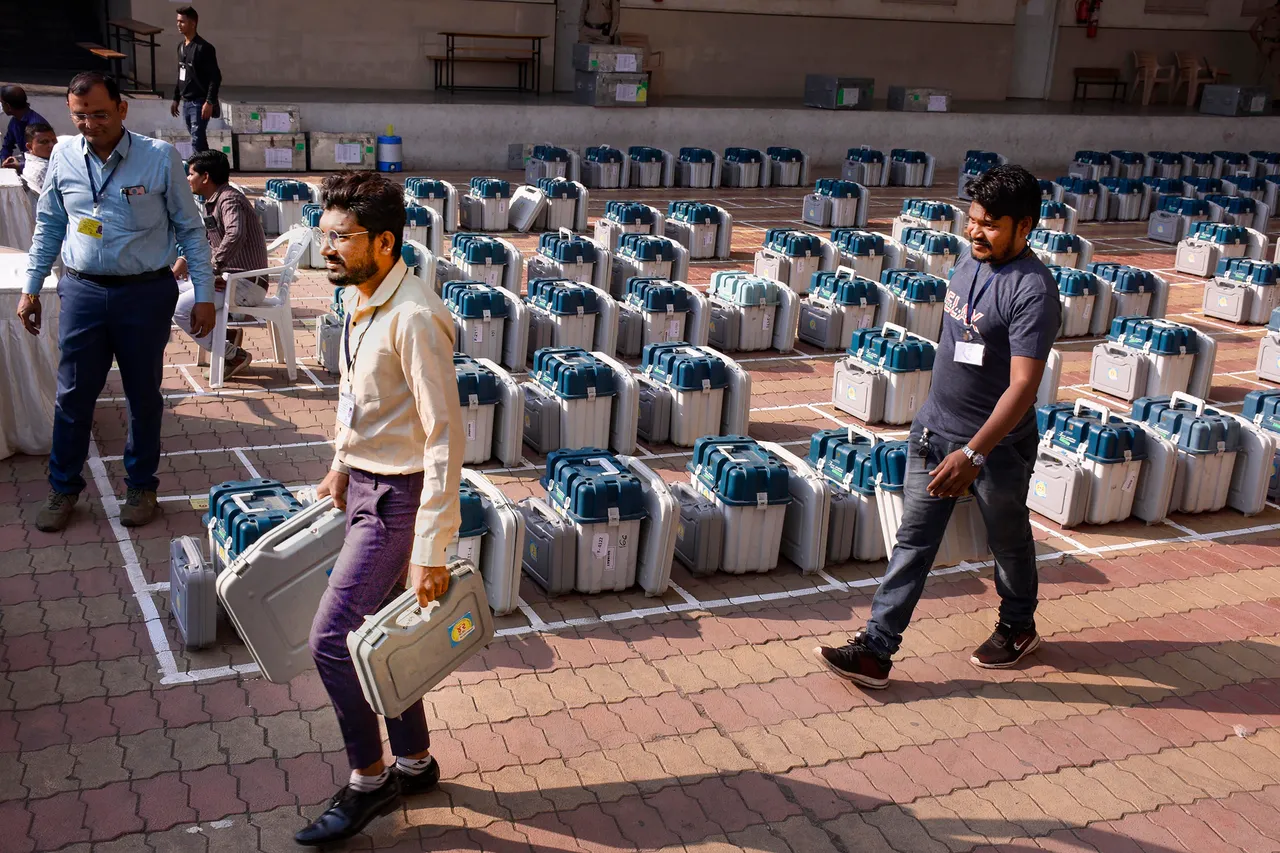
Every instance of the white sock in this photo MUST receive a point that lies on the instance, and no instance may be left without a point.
(364, 784)
(413, 766)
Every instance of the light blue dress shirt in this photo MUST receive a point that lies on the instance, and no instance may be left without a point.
(146, 209)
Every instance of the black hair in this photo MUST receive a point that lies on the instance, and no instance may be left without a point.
(189, 12)
(14, 96)
(1007, 191)
(36, 128)
(86, 80)
(378, 204)
(214, 165)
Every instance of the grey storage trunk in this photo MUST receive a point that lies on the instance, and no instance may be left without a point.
(842, 525)
(829, 92)
(610, 89)
(700, 531)
(550, 547)
(820, 326)
(1221, 99)
(607, 57)
(724, 330)
(654, 421)
(329, 342)
(919, 99)
(630, 332)
(192, 597)
(541, 419)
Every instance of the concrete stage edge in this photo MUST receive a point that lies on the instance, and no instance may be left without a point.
(475, 136)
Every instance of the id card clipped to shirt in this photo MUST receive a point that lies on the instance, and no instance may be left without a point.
(346, 408)
(970, 352)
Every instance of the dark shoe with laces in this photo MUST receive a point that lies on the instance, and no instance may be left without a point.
(237, 364)
(1007, 645)
(139, 507)
(423, 782)
(858, 662)
(349, 812)
(56, 512)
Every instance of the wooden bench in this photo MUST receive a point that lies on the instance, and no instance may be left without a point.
(526, 60)
(1086, 77)
(112, 56)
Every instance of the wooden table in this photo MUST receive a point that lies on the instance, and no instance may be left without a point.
(520, 57)
(122, 31)
(1086, 77)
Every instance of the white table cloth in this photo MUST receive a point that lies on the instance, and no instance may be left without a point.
(28, 364)
(17, 217)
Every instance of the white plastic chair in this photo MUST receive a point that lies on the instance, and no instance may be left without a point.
(276, 309)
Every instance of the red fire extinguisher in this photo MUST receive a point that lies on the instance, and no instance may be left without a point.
(1092, 30)
(1082, 12)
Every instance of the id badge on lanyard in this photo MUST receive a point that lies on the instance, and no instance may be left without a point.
(970, 351)
(346, 397)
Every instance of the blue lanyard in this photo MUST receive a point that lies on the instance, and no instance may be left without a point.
(973, 301)
(99, 194)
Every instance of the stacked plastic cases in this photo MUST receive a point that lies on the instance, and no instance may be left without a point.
(788, 167)
(1264, 163)
(886, 376)
(603, 167)
(541, 428)
(604, 503)
(1207, 445)
(645, 256)
(280, 208)
(976, 164)
(756, 301)
(311, 257)
(862, 251)
(700, 531)
(1091, 165)
(1130, 292)
(744, 167)
(1127, 164)
(1078, 293)
(471, 530)
(1057, 215)
(1238, 210)
(241, 511)
(478, 394)
(1145, 357)
(696, 381)
(547, 161)
(1109, 452)
(567, 203)
(1245, 186)
(649, 168)
(192, 594)
(404, 650)
(662, 306)
(928, 213)
(479, 313)
(930, 251)
(704, 229)
(921, 297)
(835, 204)
(846, 459)
(966, 535)
(1058, 489)
(481, 258)
(1197, 164)
(1268, 364)
(1262, 408)
(1174, 217)
(563, 254)
(749, 485)
(528, 204)
(1210, 242)
(910, 168)
(1243, 291)
(487, 205)
(866, 166)
(698, 168)
(564, 314)
(440, 196)
(1163, 164)
(627, 217)
(791, 257)
(1120, 200)
(550, 553)
(840, 302)
(1059, 248)
(1081, 193)
(584, 385)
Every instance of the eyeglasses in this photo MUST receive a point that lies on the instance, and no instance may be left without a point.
(81, 118)
(331, 238)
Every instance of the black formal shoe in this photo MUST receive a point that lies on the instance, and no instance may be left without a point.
(349, 812)
(421, 783)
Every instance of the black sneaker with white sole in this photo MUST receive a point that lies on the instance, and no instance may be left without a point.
(857, 661)
(1007, 645)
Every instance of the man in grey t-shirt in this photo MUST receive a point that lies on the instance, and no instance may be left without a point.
(975, 432)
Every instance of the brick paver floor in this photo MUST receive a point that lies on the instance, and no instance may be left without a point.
(1149, 721)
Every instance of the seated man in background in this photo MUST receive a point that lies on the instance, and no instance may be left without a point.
(40, 142)
(13, 99)
(235, 235)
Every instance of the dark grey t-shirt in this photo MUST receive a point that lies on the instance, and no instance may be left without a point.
(1017, 315)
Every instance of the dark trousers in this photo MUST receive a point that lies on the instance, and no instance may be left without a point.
(127, 322)
(1001, 495)
(196, 125)
(370, 572)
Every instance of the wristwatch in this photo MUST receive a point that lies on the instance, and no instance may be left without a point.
(976, 459)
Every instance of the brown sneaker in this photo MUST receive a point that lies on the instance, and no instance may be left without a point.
(56, 512)
(237, 364)
(139, 508)
(1006, 646)
(235, 337)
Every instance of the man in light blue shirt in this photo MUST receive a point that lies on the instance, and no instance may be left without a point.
(117, 204)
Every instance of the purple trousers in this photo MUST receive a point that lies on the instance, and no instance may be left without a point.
(370, 572)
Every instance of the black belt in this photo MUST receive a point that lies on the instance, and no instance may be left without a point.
(117, 280)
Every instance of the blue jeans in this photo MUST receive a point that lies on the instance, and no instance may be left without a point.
(369, 574)
(127, 322)
(1001, 495)
(196, 125)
